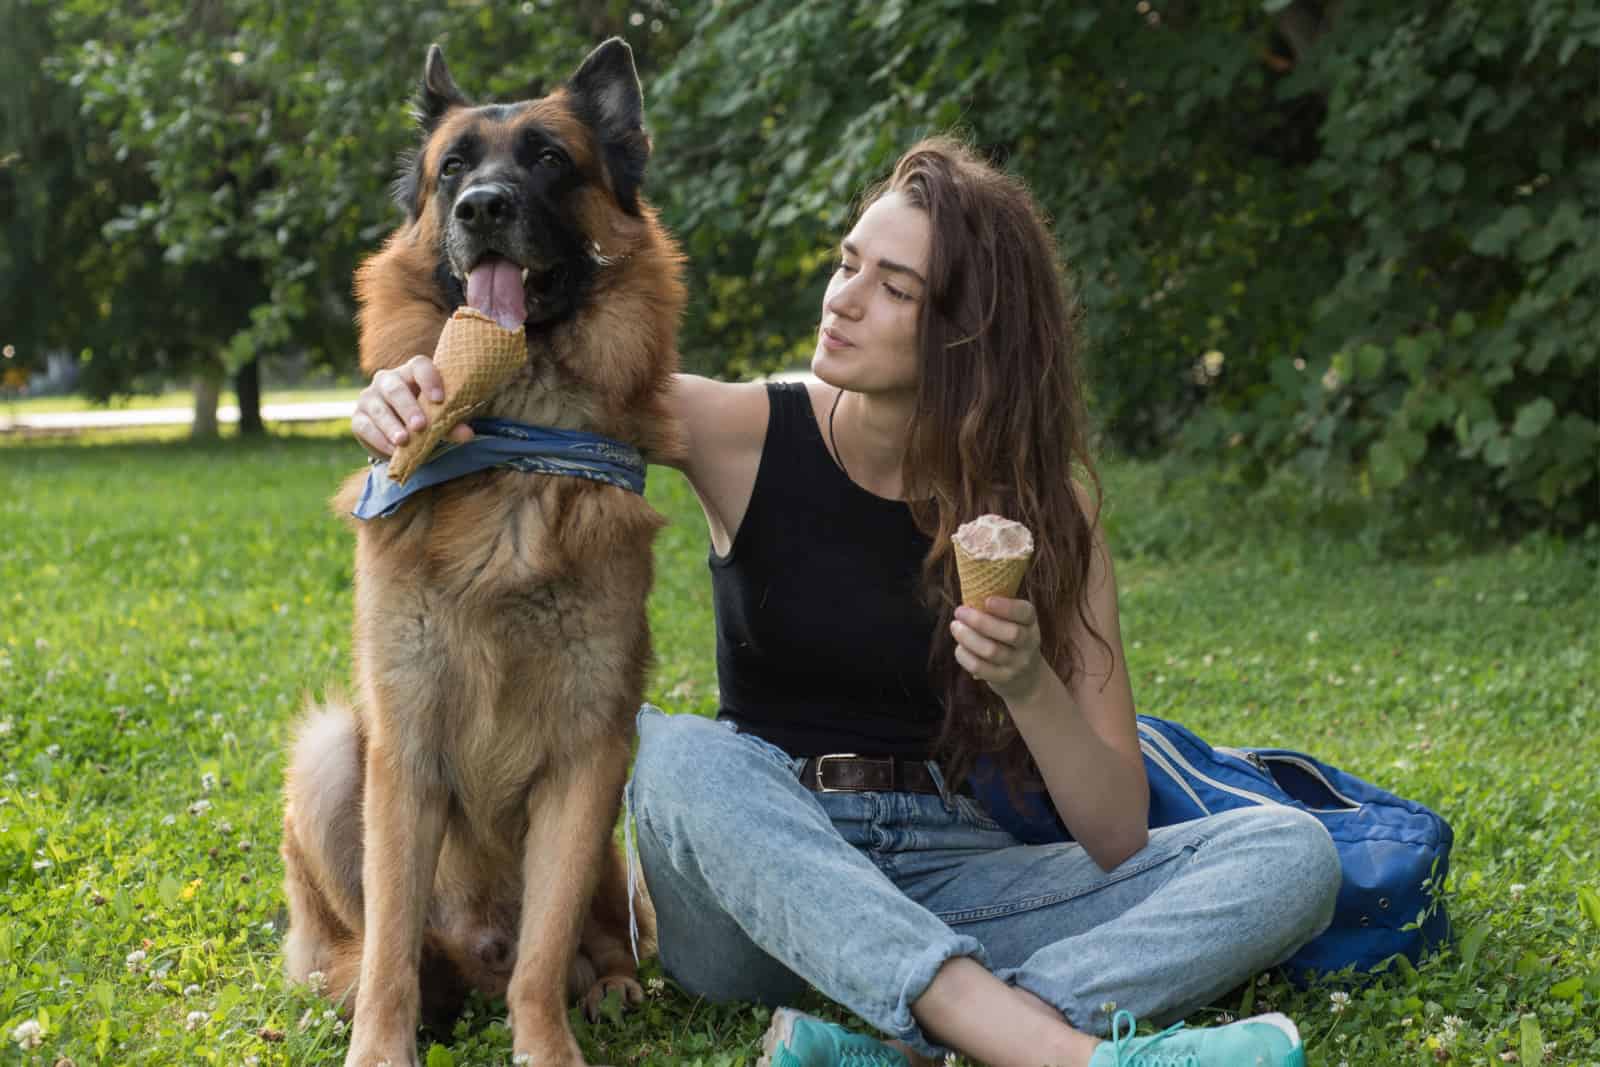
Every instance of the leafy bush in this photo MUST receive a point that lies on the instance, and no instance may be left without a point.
(1347, 244)
(1455, 352)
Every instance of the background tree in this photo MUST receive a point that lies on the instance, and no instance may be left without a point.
(263, 139)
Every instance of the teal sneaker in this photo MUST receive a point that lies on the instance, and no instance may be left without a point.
(1259, 1041)
(798, 1040)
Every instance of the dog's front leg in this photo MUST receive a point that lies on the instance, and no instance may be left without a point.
(403, 821)
(571, 816)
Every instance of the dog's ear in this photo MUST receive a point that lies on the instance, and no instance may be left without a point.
(605, 94)
(438, 93)
(436, 96)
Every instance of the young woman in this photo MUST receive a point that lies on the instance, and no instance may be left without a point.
(820, 832)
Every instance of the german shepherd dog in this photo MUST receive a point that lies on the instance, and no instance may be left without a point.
(453, 830)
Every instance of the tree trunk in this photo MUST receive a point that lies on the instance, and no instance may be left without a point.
(247, 386)
(207, 388)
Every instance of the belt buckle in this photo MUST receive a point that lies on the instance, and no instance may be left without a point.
(822, 761)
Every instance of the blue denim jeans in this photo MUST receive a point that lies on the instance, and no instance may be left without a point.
(762, 887)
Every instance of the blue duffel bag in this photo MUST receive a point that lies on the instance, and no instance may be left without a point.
(1394, 853)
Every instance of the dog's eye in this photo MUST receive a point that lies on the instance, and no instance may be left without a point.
(550, 158)
(452, 165)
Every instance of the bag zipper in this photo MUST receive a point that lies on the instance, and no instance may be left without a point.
(1172, 773)
(1172, 751)
(1311, 769)
(1251, 757)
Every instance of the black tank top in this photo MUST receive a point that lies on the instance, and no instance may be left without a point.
(822, 637)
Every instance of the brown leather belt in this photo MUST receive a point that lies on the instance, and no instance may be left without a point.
(846, 772)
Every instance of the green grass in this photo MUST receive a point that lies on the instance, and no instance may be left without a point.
(166, 607)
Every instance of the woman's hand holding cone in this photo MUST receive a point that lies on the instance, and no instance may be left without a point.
(999, 645)
(388, 411)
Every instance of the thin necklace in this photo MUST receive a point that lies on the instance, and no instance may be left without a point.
(837, 456)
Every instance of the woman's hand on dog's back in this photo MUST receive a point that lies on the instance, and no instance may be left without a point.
(388, 411)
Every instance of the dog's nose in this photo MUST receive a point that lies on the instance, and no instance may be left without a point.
(484, 207)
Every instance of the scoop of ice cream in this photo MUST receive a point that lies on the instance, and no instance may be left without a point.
(993, 537)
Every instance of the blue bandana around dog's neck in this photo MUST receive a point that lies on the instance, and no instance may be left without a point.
(515, 446)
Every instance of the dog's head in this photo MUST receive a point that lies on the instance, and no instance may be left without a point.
(518, 199)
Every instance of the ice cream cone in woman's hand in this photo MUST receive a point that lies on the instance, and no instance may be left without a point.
(475, 357)
(992, 555)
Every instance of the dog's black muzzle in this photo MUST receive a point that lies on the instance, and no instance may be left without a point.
(487, 209)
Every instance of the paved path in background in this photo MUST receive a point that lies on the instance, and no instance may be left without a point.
(114, 418)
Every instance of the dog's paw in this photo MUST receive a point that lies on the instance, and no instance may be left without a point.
(628, 989)
(364, 1053)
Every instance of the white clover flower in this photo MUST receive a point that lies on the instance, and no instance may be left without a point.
(208, 782)
(136, 960)
(191, 990)
(195, 1019)
(1517, 889)
(655, 987)
(28, 1034)
(200, 807)
(315, 980)
(258, 987)
(53, 751)
(1340, 1001)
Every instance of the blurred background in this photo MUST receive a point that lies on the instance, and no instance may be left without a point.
(1343, 251)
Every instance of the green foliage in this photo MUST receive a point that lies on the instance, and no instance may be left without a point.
(1453, 357)
(168, 607)
(235, 161)
(1351, 248)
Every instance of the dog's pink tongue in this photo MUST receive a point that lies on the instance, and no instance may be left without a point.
(495, 288)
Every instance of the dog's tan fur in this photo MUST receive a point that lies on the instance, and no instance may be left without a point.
(456, 822)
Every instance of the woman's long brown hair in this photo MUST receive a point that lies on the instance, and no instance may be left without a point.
(1000, 424)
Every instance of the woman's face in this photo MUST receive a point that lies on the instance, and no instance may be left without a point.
(867, 341)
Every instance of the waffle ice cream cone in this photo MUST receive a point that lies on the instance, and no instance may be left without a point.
(475, 357)
(992, 555)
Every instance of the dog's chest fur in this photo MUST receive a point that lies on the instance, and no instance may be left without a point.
(503, 617)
